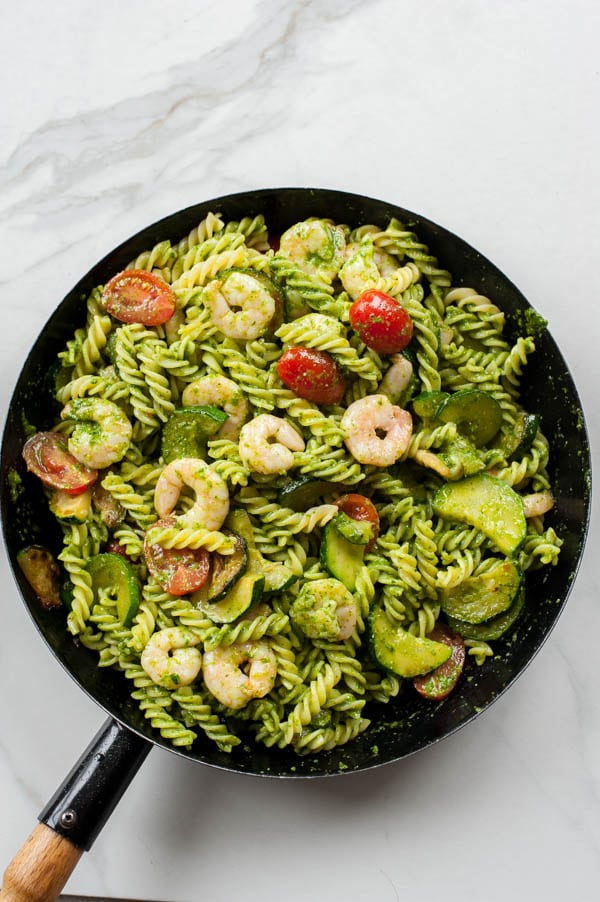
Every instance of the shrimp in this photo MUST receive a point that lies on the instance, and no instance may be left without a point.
(376, 432)
(364, 267)
(102, 432)
(212, 496)
(169, 658)
(537, 503)
(239, 290)
(240, 672)
(315, 246)
(219, 390)
(259, 453)
(325, 609)
(397, 378)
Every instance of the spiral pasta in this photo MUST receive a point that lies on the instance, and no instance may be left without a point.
(318, 691)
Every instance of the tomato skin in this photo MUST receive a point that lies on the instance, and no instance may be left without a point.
(178, 570)
(311, 374)
(47, 456)
(381, 322)
(440, 682)
(114, 547)
(359, 507)
(138, 296)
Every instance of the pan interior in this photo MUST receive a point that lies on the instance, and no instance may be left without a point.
(410, 723)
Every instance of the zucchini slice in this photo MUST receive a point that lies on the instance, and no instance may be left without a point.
(226, 569)
(304, 492)
(427, 403)
(476, 413)
(480, 598)
(400, 652)
(115, 574)
(245, 594)
(187, 429)
(357, 532)
(70, 508)
(518, 443)
(495, 627)
(340, 557)
(278, 577)
(488, 504)
(42, 573)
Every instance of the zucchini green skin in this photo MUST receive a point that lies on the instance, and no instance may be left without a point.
(277, 576)
(245, 594)
(304, 492)
(482, 597)
(487, 503)
(226, 569)
(114, 573)
(495, 627)
(187, 429)
(70, 508)
(340, 557)
(518, 443)
(398, 651)
(476, 413)
(357, 532)
(428, 403)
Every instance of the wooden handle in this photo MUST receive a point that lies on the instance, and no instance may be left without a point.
(40, 868)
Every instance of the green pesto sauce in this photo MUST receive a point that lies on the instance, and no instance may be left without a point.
(15, 485)
(530, 322)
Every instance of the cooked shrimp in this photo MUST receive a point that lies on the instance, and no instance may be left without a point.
(239, 290)
(376, 432)
(315, 246)
(537, 503)
(240, 672)
(169, 658)
(325, 609)
(102, 432)
(397, 378)
(223, 392)
(364, 267)
(212, 496)
(267, 444)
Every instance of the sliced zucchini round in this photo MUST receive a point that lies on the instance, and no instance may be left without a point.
(115, 574)
(427, 403)
(476, 413)
(226, 569)
(278, 577)
(70, 508)
(304, 492)
(357, 532)
(400, 652)
(340, 557)
(488, 504)
(187, 429)
(482, 597)
(245, 594)
(495, 627)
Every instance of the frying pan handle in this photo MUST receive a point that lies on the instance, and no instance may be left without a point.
(75, 815)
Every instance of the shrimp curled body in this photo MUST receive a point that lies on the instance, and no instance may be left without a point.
(365, 419)
(240, 307)
(325, 609)
(102, 431)
(267, 444)
(240, 672)
(212, 496)
(170, 659)
(219, 390)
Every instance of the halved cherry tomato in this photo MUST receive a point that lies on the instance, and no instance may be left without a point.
(358, 507)
(312, 375)
(381, 322)
(441, 681)
(115, 547)
(178, 570)
(138, 296)
(47, 456)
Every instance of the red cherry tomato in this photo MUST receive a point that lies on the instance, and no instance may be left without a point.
(312, 375)
(441, 681)
(358, 507)
(381, 322)
(178, 570)
(46, 454)
(115, 547)
(137, 296)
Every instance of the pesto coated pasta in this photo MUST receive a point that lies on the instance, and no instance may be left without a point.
(281, 455)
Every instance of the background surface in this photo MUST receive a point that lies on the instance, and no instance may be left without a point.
(482, 117)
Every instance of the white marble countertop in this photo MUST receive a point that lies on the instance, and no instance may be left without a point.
(483, 117)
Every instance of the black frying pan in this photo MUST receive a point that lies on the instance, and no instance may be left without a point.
(82, 804)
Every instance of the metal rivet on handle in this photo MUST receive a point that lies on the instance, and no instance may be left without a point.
(68, 819)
